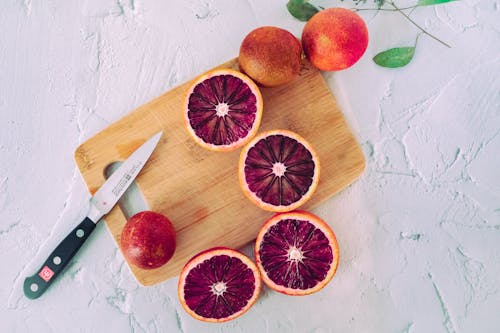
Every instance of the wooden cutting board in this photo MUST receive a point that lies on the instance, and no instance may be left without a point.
(197, 189)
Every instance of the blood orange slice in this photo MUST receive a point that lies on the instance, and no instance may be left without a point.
(278, 170)
(223, 109)
(296, 252)
(218, 285)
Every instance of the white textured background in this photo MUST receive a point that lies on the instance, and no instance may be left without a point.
(419, 232)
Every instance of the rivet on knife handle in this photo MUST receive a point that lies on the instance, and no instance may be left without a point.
(35, 286)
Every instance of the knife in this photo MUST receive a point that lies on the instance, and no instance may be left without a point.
(100, 204)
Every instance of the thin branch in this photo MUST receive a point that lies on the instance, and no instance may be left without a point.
(418, 26)
(418, 36)
(384, 9)
(411, 11)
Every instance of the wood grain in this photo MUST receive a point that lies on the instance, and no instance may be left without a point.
(198, 189)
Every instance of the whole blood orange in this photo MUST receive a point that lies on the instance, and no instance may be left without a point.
(223, 109)
(296, 252)
(334, 39)
(278, 170)
(218, 285)
(271, 56)
(148, 240)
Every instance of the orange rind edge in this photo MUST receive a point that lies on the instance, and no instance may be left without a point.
(258, 114)
(257, 201)
(207, 254)
(319, 223)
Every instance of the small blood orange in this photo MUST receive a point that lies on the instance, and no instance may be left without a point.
(334, 39)
(148, 240)
(218, 285)
(271, 56)
(223, 109)
(296, 252)
(278, 170)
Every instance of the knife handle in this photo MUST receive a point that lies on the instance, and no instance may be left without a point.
(35, 286)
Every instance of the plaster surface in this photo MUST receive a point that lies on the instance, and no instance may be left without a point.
(419, 232)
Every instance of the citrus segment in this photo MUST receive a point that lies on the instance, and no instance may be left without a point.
(296, 252)
(223, 109)
(279, 170)
(219, 285)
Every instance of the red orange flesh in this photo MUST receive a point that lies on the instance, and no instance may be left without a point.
(296, 252)
(223, 109)
(278, 170)
(218, 285)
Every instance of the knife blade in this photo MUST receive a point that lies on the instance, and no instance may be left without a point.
(101, 204)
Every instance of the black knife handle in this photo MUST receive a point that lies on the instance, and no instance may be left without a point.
(35, 286)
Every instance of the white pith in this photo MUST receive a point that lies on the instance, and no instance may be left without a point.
(295, 254)
(222, 109)
(279, 169)
(219, 288)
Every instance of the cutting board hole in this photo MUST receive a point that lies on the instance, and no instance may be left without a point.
(132, 201)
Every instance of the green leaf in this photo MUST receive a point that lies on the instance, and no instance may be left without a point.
(301, 9)
(396, 57)
(432, 2)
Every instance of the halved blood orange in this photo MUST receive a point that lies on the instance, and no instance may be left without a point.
(278, 170)
(296, 252)
(223, 109)
(218, 285)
